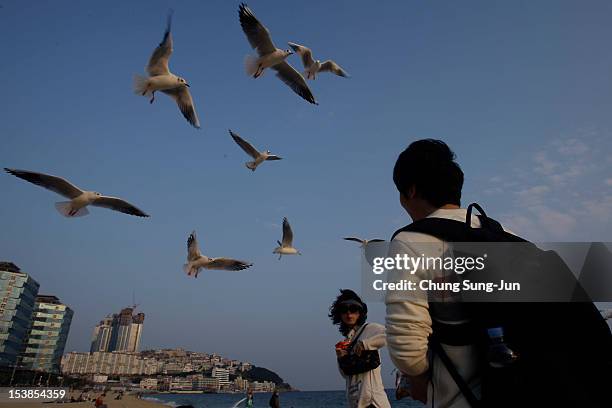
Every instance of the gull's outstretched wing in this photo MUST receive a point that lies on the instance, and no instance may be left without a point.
(56, 184)
(304, 52)
(182, 97)
(117, 204)
(246, 146)
(287, 234)
(294, 80)
(376, 240)
(273, 157)
(193, 251)
(227, 264)
(331, 66)
(361, 241)
(158, 63)
(257, 34)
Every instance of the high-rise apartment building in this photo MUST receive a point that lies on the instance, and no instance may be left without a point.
(135, 332)
(102, 334)
(17, 299)
(47, 337)
(119, 332)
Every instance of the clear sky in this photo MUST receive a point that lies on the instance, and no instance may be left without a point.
(520, 90)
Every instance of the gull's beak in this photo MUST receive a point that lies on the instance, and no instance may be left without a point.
(187, 85)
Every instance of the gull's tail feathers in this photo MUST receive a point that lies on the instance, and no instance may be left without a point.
(250, 64)
(65, 208)
(187, 269)
(141, 85)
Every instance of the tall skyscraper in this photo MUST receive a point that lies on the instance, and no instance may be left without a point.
(135, 332)
(17, 298)
(48, 335)
(123, 326)
(119, 332)
(102, 334)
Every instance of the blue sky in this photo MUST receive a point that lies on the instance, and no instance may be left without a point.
(521, 91)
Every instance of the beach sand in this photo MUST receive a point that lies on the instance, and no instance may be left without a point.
(128, 401)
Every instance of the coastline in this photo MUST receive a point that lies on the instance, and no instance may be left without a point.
(128, 401)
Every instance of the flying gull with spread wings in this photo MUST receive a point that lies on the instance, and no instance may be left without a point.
(313, 66)
(79, 199)
(197, 261)
(285, 247)
(161, 79)
(270, 56)
(259, 157)
(363, 242)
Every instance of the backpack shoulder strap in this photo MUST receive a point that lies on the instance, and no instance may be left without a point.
(460, 231)
(454, 373)
(442, 228)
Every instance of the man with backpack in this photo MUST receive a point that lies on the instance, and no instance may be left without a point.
(561, 352)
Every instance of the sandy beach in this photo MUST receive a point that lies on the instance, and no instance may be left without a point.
(128, 401)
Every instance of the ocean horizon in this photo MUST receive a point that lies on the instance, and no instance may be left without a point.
(290, 399)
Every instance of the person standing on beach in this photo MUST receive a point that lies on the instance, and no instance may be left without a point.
(349, 312)
(274, 400)
(249, 400)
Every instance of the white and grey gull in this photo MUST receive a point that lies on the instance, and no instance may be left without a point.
(79, 199)
(313, 66)
(269, 56)
(196, 261)
(161, 79)
(285, 246)
(258, 156)
(363, 242)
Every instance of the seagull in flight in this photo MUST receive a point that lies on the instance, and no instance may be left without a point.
(79, 199)
(259, 157)
(161, 79)
(312, 66)
(363, 242)
(197, 261)
(286, 246)
(270, 56)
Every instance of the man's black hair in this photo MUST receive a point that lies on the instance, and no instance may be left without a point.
(334, 310)
(429, 165)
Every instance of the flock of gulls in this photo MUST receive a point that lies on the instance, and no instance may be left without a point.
(160, 78)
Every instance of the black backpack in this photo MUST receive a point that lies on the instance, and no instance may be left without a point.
(564, 348)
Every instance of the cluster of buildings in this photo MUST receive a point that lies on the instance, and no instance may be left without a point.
(173, 370)
(114, 348)
(218, 381)
(176, 361)
(33, 328)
